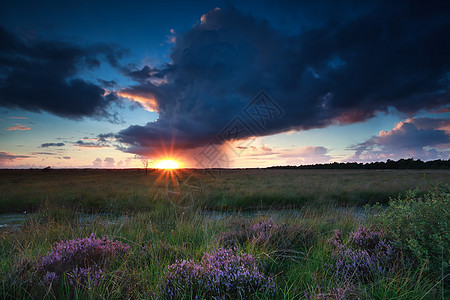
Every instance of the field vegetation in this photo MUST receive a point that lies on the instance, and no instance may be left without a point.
(225, 234)
(126, 191)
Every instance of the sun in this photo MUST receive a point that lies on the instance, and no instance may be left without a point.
(167, 164)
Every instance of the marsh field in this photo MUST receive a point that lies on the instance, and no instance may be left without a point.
(224, 234)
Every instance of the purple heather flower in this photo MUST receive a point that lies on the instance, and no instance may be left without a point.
(82, 260)
(49, 277)
(367, 254)
(220, 275)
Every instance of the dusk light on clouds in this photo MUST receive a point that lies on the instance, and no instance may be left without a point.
(103, 85)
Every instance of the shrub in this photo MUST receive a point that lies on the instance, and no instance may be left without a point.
(236, 234)
(366, 255)
(220, 275)
(267, 234)
(82, 261)
(420, 224)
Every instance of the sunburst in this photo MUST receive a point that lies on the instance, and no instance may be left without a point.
(167, 164)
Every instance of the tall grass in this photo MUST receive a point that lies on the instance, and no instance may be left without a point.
(159, 240)
(161, 233)
(130, 190)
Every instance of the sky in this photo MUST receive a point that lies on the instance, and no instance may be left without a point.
(100, 84)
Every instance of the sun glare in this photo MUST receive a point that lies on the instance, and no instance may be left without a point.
(167, 164)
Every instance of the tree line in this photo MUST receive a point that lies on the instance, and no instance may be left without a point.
(409, 163)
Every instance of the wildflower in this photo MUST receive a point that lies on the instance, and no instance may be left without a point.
(82, 260)
(367, 254)
(220, 275)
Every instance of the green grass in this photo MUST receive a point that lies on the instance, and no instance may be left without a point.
(131, 191)
(136, 209)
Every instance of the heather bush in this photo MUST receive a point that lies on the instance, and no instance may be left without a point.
(345, 292)
(81, 261)
(267, 234)
(236, 234)
(220, 275)
(420, 224)
(366, 255)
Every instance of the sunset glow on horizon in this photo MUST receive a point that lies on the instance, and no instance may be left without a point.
(172, 149)
(167, 164)
(224, 84)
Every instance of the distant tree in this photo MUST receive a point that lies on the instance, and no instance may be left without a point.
(145, 163)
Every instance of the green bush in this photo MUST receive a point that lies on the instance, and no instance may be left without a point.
(420, 224)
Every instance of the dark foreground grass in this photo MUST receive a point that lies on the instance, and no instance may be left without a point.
(164, 225)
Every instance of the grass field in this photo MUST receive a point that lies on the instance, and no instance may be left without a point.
(130, 190)
(283, 218)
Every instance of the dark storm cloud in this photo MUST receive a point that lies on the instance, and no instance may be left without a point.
(41, 75)
(336, 70)
(45, 145)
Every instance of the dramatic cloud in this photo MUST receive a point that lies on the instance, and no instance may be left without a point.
(337, 71)
(421, 138)
(39, 75)
(46, 145)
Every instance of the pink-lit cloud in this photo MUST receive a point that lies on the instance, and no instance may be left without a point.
(97, 163)
(269, 156)
(419, 138)
(6, 157)
(108, 162)
(441, 110)
(18, 127)
(147, 100)
(305, 155)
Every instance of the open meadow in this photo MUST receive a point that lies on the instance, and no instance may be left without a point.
(224, 234)
(225, 150)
